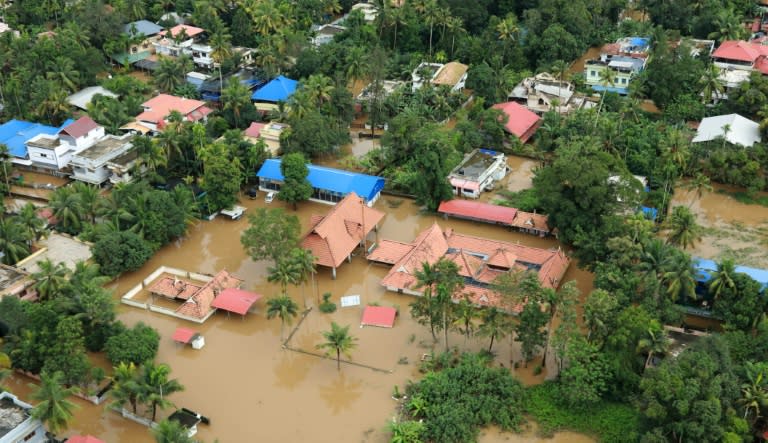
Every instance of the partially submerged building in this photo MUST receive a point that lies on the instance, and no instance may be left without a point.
(16, 422)
(528, 222)
(54, 151)
(159, 108)
(91, 165)
(452, 75)
(15, 133)
(626, 58)
(333, 237)
(280, 89)
(329, 185)
(543, 93)
(480, 261)
(479, 170)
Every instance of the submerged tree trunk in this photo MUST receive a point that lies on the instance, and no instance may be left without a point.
(490, 347)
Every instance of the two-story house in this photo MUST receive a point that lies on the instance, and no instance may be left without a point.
(479, 170)
(143, 34)
(17, 423)
(177, 41)
(90, 165)
(625, 58)
(55, 151)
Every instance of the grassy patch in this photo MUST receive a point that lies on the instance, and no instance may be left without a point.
(610, 422)
(746, 197)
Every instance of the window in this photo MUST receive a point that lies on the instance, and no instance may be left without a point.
(592, 73)
(43, 155)
(623, 81)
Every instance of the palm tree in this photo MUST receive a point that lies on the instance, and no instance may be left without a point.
(699, 183)
(283, 307)
(426, 279)
(171, 431)
(63, 72)
(712, 87)
(679, 277)
(169, 74)
(754, 393)
(655, 343)
(723, 277)
(728, 26)
(50, 280)
(684, 231)
(607, 80)
(29, 218)
(304, 262)
(67, 208)
(54, 105)
(495, 325)
(14, 240)
(53, 409)
(319, 88)
(339, 340)
(464, 314)
(357, 63)
(89, 199)
(561, 70)
(235, 98)
(127, 387)
(157, 386)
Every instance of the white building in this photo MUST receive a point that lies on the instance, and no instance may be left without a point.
(16, 422)
(55, 151)
(125, 167)
(452, 74)
(177, 41)
(90, 165)
(479, 170)
(734, 128)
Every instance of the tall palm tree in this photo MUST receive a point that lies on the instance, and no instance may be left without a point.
(284, 272)
(561, 70)
(171, 431)
(283, 307)
(168, 75)
(338, 340)
(427, 278)
(723, 277)
(682, 227)
(357, 63)
(319, 88)
(67, 208)
(53, 409)
(89, 199)
(157, 386)
(14, 240)
(679, 277)
(455, 26)
(63, 71)
(712, 87)
(235, 98)
(50, 280)
(464, 314)
(607, 80)
(304, 262)
(54, 106)
(728, 26)
(700, 183)
(29, 218)
(495, 325)
(655, 342)
(127, 387)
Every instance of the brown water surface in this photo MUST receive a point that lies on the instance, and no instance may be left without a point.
(578, 65)
(250, 388)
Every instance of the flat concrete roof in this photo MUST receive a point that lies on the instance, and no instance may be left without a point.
(57, 248)
(104, 146)
(10, 276)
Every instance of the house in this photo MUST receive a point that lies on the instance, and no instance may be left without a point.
(269, 133)
(626, 58)
(528, 222)
(329, 185)
(15, 282)
(453, 75)
(90, 165)
(324, 34)
(741, 55)
(250, 78)
(159, 108)
(82, 98)
(521, 122)
(16, 422)
(177, 41)
(333, 237)
(479, 170)
(278, 90)
(734, 128)
(480, 261)
(15, 133)
(197, 79)
(124, 167)
(543, 93)
(55, 151)
(145, 34)
(369, 11)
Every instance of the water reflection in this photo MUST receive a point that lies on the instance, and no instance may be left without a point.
(341, 392)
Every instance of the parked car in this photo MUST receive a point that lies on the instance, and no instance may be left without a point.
(270, 196)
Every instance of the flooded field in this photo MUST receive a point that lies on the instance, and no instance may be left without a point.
(250, 387)
(522, 173)
(731, 229)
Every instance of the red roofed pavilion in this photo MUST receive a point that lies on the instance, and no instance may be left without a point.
(381, 316)
(333, 237)
(236, 300)
(521, 122)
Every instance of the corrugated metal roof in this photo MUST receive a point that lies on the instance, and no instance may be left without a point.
(15, 133)
(705, 268)
(478, 210)
(278, 90)
(334, 180)
(145, 27)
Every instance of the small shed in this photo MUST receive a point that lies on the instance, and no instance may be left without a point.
(236, 300)
(381, 316)
(188, 336)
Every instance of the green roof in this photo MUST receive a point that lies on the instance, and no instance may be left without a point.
(124, 57)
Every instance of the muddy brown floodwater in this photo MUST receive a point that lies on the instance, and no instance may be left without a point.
(250, 388)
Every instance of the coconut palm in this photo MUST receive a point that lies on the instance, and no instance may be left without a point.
(304, 262)
(50, 280)
(682, 227)
(699, 183)
(89, 199)
(168, 75)
(53, 409)
(508, 29)
(712, 87)
(561, 70)
(728, 26)
(235, 98)
(67, 208)
(338, 340)
(29, 218)
(63, 72)
(171, 431)
(284, 272)
(496, 325)
(607, 80)
(679, 277)
(127, 387)
(319, 88)
(54, 106)
(14, 240)
(655, 342)
(283, 307)
(464, 314)
(134, 9)
(157, 386)
(357, 63)
(723, 277)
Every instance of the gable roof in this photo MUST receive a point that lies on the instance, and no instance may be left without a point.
(254, 131)
(143, 27)
(191, 31)
(336, 180)
(740, 50)
(278, 90)
(333, 237)
(450, 74)
(521, 122)
(160, 107)
(741, 131)
(199, 306)
(478, 210)
(83, 97)
(15, 134)
(82, 126)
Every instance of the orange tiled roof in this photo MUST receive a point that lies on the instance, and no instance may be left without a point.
(530, 220)
(174, 288)
(199, 305)
(389, 251)
(160, 107)
(191, 31)
(333, 237)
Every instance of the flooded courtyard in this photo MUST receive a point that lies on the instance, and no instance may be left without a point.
(251, 388)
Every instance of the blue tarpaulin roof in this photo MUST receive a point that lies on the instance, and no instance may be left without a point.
(705, 268)
(15, 133)
(329, 179)
(278, 90)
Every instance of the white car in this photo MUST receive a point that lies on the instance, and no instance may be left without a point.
(270, 196)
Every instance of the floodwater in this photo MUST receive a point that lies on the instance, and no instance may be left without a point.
(252, 389)
(522, 173)
(731, 228)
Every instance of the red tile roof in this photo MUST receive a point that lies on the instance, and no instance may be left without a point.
(479, 259)
(183, 335)
(82, 126)
(740, 51)
(382, 316)
(191, 31)
(160, 107)
(236, 300)
(389, 251)
(199, 305)
(478, 210)
(333, 238)
(172, 287)
(84, 439)
(531, 220)
(254, 131)
(521, 122)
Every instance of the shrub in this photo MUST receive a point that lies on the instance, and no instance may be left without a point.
(135, 345)
(122, 251)
(327, 306)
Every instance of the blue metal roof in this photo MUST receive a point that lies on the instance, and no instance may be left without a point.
(16, 133)
(334, 180)
(278, 90)
(145, 27)
(600, 88)
(705, 268)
